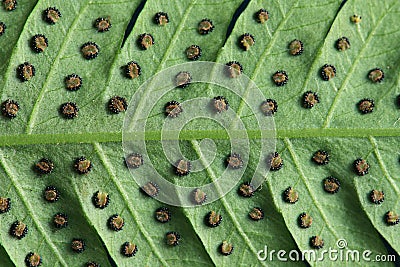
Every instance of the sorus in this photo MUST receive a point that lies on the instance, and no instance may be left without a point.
(10, 5)
(361, 167)
(193, 52)
(310, 99)
(246, 41)
(3, 28)
(82, 165)
(51, 194)
(101, 199)
(213, 219)
(183, 79)
(205, 26)
(256, 214)
(269, 107)
(145, 41)
(33, 260)
(90, 50)
(182, 167)
(78, 245)
(234, 161)
(73, 82)
(51, 15)
(26, 71)
(5, 204)
(280, 78)
(316, 242)
(262, 15)
(151, 189)
(274, 161)
(321, 157)
(172, 238)
(102, 24)
(296, 47)
(246, 189)
(115, 222)
(162, 215)
(133, 70)
(69, 110)
(19, 230)
(199, 196)
(9, 108)
(134, 160)
(39, 43)
(376, 196)
(226, 248)
(129, 249)
(305, 220)
(60, 220)
(161, 18)
(342, 44)
(328, 72)
(290, 195)
(331, 185)
(234, 69)
(220, 104)
(366, 106)
(117, 104)
(173, 109)
(376, 75)
(44, 166)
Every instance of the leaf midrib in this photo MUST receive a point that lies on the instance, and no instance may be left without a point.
(104, 137)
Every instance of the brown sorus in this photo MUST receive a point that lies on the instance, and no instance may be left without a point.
(145, 41)
(26, 71)
(182, 167)
(51, 15)
(73, 82)
(213, 219)
(103, 24)
(33, 259)
(60, 220)
(134, 160)
(82, 165)
(361, 167)
(115, 222)
(205, 26)
(173, 109)
(69, 110)
(290, 195)
(226, 248)
(305, 220)
(129, 249)
(172, 238)
(133, 70)
(44, 166)
(117, 104)
(9, 108)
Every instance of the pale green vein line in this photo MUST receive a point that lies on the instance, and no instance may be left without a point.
(53, 68)
(107, 164)
(105, 137)
(382, 165)
(31, 211)
(354, 65)
(225, 203)
(297, 164)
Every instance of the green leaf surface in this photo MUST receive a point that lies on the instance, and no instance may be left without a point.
(334, 125)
